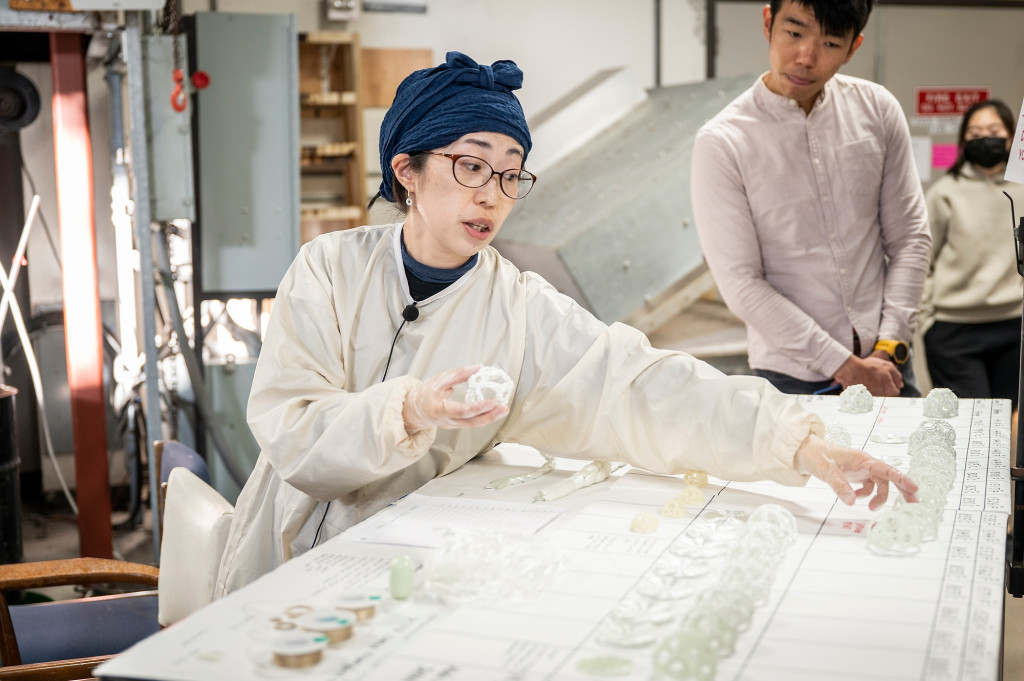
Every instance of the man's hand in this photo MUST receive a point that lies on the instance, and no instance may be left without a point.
(876, 372)
(841, 466)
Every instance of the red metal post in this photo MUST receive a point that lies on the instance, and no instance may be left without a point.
(82, 324)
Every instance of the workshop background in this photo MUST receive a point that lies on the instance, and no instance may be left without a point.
(281, 145)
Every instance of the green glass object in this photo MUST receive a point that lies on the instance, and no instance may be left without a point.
(403, 577)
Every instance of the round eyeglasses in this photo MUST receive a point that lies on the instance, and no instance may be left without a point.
(473, 172)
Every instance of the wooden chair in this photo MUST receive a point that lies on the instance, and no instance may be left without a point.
(133, 615)
(65, 640)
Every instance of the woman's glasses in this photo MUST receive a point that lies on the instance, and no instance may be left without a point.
(473, 172)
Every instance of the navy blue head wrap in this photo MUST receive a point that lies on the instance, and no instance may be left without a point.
(434, 107)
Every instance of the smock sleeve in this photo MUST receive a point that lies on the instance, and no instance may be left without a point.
(603, 393)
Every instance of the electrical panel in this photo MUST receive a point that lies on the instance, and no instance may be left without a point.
(246, 128)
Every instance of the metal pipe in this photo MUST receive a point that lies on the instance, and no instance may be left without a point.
(710, 39)
(83, 329)
(224, 448)
(1015, 524)
(128, 364)
(144, 242)
(657, 43)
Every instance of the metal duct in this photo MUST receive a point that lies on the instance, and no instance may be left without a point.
(610, 223)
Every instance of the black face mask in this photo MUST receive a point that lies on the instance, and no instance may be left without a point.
(987, 152)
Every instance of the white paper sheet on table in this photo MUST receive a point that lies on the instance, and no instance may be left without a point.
(415, 521)
(836, 610)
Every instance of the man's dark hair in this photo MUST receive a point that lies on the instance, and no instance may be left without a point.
(835, 17)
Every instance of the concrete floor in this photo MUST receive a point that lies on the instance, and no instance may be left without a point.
(706, 330)
(49, 535)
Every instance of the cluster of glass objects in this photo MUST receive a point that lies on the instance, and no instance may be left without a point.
(489, 566)
(837, 434)
(700, 595)
(691, 495)
(647, 522)
(901, 529)
(856, 399)
(941, 403)
(710, 627)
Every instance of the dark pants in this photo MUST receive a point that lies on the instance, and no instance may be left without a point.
(795, 386)
(975, 360)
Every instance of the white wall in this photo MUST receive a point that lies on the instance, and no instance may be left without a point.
(557, 44)
(906, 48)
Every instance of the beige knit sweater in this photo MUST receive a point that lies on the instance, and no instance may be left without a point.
(973, 275)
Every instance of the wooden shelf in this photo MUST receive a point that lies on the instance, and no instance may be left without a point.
(332, 156)
(335, 212)
(331, 38)
(324, 99)
(313, 154)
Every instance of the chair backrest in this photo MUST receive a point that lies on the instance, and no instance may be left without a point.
(173, 454)
(196, 523)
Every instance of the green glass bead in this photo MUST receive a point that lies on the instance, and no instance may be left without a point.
(403, 577)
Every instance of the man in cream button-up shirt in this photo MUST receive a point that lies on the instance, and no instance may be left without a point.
(810, 210)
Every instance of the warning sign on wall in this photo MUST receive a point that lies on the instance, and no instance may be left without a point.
(942, 101)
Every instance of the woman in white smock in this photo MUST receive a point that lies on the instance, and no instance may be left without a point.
(373, 328)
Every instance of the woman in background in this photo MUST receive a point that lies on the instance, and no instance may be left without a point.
(971, 314)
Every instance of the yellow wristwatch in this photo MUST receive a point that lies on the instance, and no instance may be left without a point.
(898, 350)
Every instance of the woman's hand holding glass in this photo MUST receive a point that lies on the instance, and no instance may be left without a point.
(430, 403)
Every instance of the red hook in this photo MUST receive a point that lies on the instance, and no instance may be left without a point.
(178, 99)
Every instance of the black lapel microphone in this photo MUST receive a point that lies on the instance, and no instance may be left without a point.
(411, 313)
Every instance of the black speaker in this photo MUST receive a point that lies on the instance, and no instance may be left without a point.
(19, 100)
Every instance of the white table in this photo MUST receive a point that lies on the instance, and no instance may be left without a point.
(836, 610)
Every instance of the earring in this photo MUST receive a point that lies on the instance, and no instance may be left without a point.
(408, 201)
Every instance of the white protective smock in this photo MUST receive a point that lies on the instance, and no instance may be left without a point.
(330, 430)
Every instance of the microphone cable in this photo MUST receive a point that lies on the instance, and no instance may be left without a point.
(410, 314)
